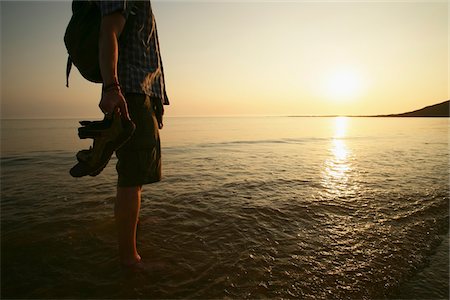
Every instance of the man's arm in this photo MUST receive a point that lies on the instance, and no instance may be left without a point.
(110, 30)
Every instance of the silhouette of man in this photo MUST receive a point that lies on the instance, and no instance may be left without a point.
(133, 82)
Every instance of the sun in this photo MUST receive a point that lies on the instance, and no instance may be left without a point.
(343, 85)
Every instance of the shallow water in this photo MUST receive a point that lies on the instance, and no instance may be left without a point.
(270, 207)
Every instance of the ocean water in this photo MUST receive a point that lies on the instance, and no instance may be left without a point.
(249, 207)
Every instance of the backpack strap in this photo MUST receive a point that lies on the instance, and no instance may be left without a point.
(68, 68)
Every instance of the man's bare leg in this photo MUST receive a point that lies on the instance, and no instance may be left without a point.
(126, 212)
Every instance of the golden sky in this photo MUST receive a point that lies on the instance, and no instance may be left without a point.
(246, 58)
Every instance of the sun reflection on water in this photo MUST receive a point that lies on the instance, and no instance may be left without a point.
(337, 167)
(340, 127)
(339, 150)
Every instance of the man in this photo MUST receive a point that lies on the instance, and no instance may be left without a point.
(133, 82)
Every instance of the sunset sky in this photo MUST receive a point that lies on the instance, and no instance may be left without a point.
(246, 58)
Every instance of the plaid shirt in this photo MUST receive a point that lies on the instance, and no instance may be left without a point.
(140, 68)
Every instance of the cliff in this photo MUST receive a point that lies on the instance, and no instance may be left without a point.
(436, 110)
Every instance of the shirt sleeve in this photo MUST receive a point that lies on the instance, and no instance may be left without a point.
(109, 7)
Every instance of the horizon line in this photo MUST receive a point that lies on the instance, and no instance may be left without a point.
(217, 116)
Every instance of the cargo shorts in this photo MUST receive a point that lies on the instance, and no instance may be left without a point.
(139, 159)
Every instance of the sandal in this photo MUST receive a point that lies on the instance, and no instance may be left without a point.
(108, 135)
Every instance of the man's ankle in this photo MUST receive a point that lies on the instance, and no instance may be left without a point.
(128, 262)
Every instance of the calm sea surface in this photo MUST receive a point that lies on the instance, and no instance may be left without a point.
(261, 207)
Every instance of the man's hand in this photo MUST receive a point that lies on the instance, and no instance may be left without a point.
(112, 99)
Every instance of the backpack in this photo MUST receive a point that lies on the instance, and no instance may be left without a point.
(82, 36)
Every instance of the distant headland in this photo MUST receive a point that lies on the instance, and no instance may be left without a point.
(440, 110)
(436, 110)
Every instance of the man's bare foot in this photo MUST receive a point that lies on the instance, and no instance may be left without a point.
(145, 267)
